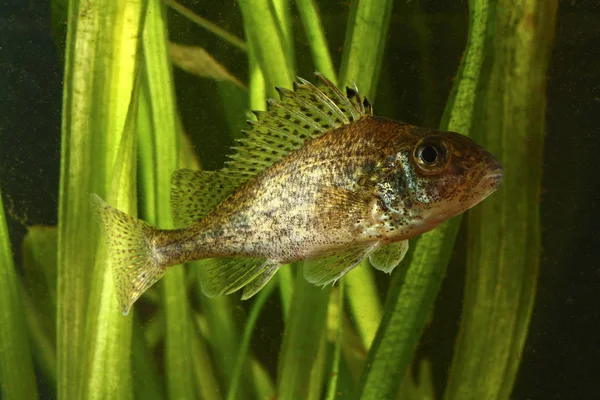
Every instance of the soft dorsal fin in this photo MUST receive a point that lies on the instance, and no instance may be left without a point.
(195, 193)
(305, 113)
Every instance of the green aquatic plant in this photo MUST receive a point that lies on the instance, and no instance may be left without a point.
(122, 138)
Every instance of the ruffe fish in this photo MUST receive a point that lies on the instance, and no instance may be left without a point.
(318, 179)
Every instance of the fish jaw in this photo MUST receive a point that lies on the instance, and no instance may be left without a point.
(482, 185)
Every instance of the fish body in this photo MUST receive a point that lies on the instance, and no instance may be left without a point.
(318, 179)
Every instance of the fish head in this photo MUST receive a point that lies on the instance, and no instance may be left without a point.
(444, 174)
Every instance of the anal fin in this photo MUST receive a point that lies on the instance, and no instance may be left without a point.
(331, 267)
(220, 276)
(261, 280)
(387, 257)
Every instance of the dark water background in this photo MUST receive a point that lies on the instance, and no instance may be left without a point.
(562, 352)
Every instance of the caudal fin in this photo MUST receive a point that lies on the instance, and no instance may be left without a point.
(131, 253)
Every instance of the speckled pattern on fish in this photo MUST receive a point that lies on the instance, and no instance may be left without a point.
(318, 178)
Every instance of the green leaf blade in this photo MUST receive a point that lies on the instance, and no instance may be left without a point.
(160, 155)
(504, 231)
(368, 25)
(16, 368)
(411, 299)
(97, 156)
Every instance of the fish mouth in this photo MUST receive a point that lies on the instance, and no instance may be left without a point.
(487, 182)
(493, 178)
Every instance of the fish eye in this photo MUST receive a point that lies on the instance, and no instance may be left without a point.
(431, 155)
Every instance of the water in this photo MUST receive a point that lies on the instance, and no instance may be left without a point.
(423, 50)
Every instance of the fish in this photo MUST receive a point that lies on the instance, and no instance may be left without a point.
(317, 178)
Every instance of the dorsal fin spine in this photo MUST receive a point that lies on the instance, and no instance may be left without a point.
(287, 135)
(308, 112)
(326, 101)
(272, 141)
(298, 115)
(356, 113)
(264, 144)
(316, 110)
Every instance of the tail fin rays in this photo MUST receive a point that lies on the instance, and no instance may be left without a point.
(132, 259)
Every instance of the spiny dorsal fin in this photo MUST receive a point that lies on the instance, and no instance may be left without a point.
(195, 193)
(305, 113)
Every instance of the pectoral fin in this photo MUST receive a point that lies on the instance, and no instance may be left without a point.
(220, 276)
(387, 257)
(331, 267)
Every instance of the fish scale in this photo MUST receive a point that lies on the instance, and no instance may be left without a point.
(317, 178)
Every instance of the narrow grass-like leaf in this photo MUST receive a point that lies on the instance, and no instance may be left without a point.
(108, 332)
(257, 84)
(16, 368)
(39, 251)
(411, 299)
(281, 11)
(311, 20)
(206, 24)
(286, 287)
(42, 341)
(222, 329)
(197, 61)
(264, 388)
(302, 339)
(96, 156)
(39, 260)
(206, 382)
(332, 388)
(420, 388)
(163, 160)
(354, 352)
(366, 35)
(504, 231)
(364, 301)
(364, 45)
(148, 384)
(270, 44)
(242, 355)
(39, 297)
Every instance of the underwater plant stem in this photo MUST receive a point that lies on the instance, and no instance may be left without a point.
(504, 231)
(209, 26)
(311, 20)
(244, 347)
(16, 367)
(410, 300)
(364, 45)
